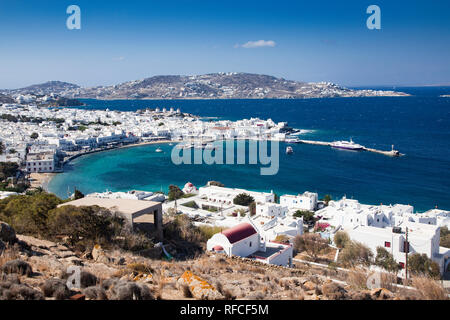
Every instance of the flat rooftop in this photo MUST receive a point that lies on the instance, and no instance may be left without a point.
(127, 206)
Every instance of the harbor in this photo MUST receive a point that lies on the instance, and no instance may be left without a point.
(390, 153)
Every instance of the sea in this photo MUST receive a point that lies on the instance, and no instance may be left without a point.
(418, 126)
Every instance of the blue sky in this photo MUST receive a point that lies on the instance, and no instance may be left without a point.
(305, 40)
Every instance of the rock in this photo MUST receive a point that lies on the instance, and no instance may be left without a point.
(7, 233)
(381, 294)
(199, 288)
(44, 244)
(99, 255)
(309, 285)
(360, 295)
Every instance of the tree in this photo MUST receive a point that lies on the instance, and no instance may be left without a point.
(84, 225)
(312, 243)
(341, 238)
(78, 194)
(243, 199)
(175, 192)
(252, 208)
(28, 213)
(8, 169)
(386, 260)
(2, 147)
(34, 135)
(308, 216)
(326, 199)
(445, 237)
(355, 253)
(421, 265)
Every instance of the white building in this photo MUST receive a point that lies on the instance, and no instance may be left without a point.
(41, 162)
(270, 209)
(385, 226)
(224, 195)
(243, 240)
(132, 195)
(305, 201)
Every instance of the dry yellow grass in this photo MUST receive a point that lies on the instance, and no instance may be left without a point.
(429, 289)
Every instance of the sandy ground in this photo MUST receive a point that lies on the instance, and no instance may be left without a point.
(40, 179)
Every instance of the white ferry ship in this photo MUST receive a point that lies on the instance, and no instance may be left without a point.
(347, 145)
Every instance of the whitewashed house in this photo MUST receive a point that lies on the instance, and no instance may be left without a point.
(224, 195)
(305, 201)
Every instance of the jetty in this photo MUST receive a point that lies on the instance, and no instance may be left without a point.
(390, 153)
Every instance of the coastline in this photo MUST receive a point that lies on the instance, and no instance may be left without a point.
(43, 179)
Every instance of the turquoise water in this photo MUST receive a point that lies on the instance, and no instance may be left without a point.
(419, 126)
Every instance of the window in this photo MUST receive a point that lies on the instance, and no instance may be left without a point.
(401, 265)
(250, 244)
(387, 244)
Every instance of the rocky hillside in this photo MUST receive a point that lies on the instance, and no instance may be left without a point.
(32, 268)
(209, 86)
(47, 88)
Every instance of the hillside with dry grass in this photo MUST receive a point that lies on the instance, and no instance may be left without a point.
(32, 268)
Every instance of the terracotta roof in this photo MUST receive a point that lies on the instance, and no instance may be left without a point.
(239, 232)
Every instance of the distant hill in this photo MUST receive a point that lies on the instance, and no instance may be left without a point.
(232, 85)
(55, 87)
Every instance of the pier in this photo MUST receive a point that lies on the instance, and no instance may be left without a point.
(390, 153)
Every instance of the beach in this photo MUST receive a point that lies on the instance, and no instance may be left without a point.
(41, 179)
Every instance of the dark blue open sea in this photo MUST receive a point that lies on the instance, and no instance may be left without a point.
(418, 126)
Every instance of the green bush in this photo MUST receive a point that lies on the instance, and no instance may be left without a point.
(175, 192)
(421, 265)
(28, 214)
(308, 216)
(386, 260)
(445, 238)
(243, 199)
(84, 225)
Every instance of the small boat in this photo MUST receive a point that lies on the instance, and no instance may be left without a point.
(346, 145)
(292, 140)
(289, 150)
(159, 150)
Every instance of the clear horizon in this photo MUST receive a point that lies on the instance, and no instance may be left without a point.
(295, 40)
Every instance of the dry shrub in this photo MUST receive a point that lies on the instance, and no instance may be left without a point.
(55, 288)
(17, 266)
(10, 253)
(357, 278)
(95, 293)
(429, 289)
(388, 280)
(140, 268)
